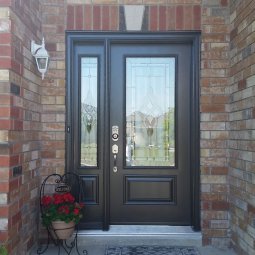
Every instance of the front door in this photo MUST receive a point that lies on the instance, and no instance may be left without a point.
(129, 128)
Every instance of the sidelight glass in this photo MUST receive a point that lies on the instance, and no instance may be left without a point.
(89, 124)
(150, 111)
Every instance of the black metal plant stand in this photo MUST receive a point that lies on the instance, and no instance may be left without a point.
(55, 183)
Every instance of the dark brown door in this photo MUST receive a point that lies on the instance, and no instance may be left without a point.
(149, 103)
(132, 127)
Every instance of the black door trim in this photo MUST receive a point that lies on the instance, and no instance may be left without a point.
(108, 38)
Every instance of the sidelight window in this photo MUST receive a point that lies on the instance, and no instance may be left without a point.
(88, 109)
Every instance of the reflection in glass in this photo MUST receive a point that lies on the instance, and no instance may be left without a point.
(89, 80)
(150, 111)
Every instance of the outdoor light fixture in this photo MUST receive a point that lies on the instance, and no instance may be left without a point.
(41, 56)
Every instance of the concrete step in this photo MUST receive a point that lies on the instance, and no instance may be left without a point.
(96, 241)
(143, 235)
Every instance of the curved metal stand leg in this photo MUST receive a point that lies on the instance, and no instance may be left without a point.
(59, 250)
(74, 244)
(40, 250)
(85, 252)
(63, 245)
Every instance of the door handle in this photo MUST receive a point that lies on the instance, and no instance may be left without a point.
(115, 150)
(115, 168)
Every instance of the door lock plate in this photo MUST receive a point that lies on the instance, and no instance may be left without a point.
(115, 149)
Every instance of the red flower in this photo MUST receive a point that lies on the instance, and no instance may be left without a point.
(76, 211)
(67, 197)
(58, 199)
(46, 200)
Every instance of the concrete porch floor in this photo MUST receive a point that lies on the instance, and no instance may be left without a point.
(95, 241)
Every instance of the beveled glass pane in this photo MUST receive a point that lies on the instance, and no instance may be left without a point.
(89, 81)
(150, 111)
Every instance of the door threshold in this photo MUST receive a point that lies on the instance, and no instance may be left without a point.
(143, 230)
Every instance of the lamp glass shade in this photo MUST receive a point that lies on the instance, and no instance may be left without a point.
(42, 64)
(42, 59)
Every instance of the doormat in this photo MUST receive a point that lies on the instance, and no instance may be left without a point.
(151, 250)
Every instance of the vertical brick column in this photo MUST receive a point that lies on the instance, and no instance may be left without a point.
(54, 15)
(214, 123)
(5, 121)
(19, 125)
(242, 126)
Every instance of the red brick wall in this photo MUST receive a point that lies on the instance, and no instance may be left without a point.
(20, 22)
(214, 123)
(160, 17)
(242, 125)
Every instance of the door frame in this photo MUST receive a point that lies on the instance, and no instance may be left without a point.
(109, 38)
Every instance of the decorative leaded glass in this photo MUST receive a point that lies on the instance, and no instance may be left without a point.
(150, 111)
(89, 81)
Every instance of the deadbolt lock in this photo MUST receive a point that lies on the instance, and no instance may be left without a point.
(115, 133)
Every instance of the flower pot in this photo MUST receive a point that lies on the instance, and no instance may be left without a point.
(62, 230)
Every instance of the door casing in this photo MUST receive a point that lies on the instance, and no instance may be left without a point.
(107, 38)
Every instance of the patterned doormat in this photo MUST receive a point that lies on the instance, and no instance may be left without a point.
(151, 250)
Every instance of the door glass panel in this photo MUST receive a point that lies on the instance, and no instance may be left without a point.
(89, 81)
(150, 111)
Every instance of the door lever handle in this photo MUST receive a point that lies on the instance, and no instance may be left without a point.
(115, 168)
(114, 159)
(115, 150)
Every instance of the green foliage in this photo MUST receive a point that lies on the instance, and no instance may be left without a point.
(3, 250)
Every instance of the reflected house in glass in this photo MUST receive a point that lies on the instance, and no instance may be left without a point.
(88, 135)
(150, 146)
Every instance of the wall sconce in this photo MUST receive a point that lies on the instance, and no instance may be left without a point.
(41, 56)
